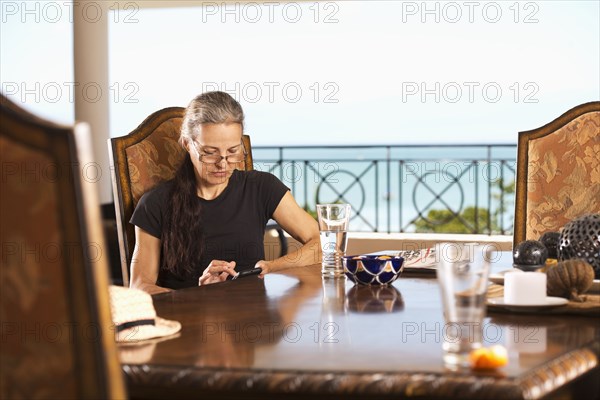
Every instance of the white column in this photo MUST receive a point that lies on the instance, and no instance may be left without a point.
(92, 95)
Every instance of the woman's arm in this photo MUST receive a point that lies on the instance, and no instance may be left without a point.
(302, 227)
(145, 262)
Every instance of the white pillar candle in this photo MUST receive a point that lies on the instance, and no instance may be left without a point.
(526, 288)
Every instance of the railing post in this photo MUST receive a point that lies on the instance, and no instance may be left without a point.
(306, 207)
(388, 188)
(476, 196)
(293, 163)
(502, 197)
(400, 194)
(376, 195)
(489, 216)
(280, 161)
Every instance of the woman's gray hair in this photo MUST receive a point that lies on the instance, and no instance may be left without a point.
(210, 108)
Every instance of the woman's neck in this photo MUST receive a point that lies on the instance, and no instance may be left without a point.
(211, 192)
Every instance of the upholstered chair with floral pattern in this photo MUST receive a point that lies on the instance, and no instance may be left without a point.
(558, 172)
(141, 160)
(57, 334)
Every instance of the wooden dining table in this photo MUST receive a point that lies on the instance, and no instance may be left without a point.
(295, 334)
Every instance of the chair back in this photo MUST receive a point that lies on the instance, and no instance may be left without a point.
(141, 160)
(558, 173)
(57, 340)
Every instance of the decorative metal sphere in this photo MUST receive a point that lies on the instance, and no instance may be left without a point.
(529, 255)
(580, 238)
(551, 240)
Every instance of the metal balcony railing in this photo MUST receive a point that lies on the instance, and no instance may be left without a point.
(410, 188)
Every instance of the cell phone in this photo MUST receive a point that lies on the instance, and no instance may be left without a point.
(248, 272)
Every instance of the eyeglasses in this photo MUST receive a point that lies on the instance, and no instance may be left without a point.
(216, 158)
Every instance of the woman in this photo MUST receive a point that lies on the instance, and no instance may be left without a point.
(208, 223)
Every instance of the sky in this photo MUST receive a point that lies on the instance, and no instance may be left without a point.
(318, 73)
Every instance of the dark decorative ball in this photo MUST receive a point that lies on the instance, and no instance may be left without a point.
(550, 240)
(530, 252)
(580, 238)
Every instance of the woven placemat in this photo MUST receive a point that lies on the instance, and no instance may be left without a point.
(589, 307)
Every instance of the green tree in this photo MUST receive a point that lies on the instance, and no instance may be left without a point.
(444, 221)
(505, 196)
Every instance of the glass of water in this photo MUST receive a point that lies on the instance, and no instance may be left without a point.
(333, 225)
(462, 273)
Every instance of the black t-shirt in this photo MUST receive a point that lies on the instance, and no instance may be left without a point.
(233, 223)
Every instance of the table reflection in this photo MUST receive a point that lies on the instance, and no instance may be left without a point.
(374, 299)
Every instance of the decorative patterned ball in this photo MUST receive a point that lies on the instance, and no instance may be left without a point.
(580, 238)
(551, 240)
(530, 252)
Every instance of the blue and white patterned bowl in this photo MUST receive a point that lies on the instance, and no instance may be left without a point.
(373, 270)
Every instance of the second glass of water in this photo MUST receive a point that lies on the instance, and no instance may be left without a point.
(462, 273)
(333, 225)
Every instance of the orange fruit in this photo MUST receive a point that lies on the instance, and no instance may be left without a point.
(488, 357)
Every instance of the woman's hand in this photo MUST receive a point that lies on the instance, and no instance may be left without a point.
(265, 266)
(217, 271)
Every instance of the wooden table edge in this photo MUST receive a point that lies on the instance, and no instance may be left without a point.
(538, 383)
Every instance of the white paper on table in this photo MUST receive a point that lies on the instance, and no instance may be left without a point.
(417, 259)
